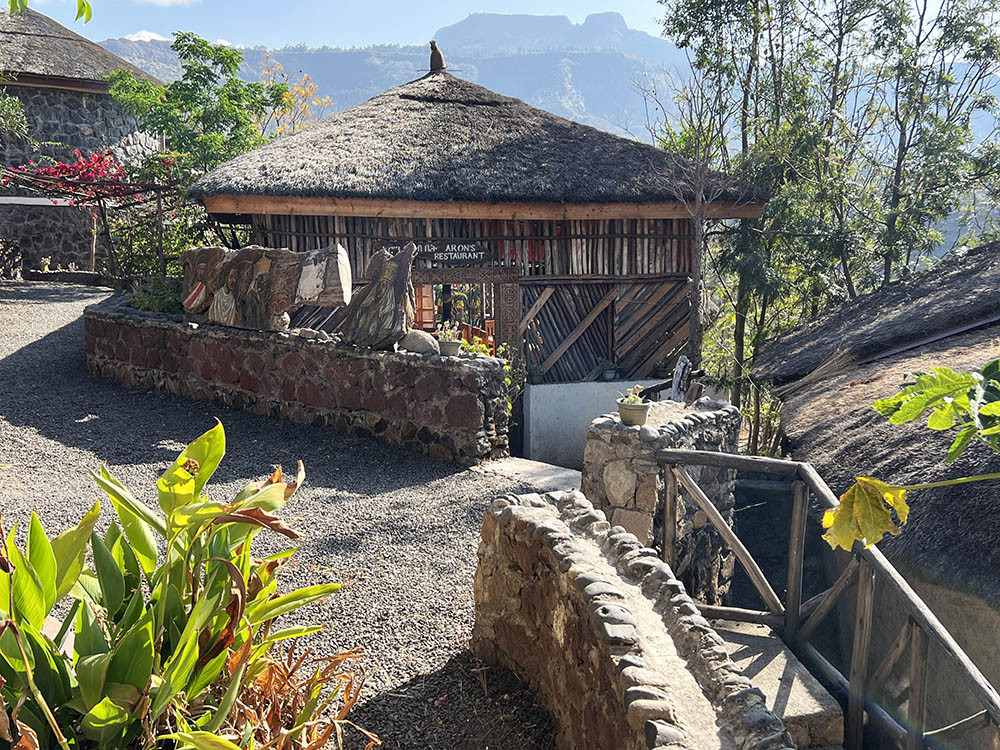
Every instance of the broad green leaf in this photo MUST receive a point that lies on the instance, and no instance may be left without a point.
(199, 462)
(109, 574)
(961, 442)
(198, 740)
(105, 722)
(83, 10)
(207, 675)
(139, 534)
(132, 658)
(12, 654)
(29, 596)
(287, 602)
(178, 669)
(271, 498)
(864, 514)
(197, 514)
(118, 493)
(228, 700)
(990, 409)
(42, 559)
(175, 489)
(69, 550)
(91, 674)
(89, 638)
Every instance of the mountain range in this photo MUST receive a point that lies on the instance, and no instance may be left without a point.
(589, 72)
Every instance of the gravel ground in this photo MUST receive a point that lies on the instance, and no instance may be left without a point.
(398, 529)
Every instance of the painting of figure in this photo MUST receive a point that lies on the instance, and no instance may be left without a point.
(223, 307)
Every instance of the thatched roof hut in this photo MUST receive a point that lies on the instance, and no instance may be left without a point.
(440, 138)
(37, 51)
(956, 294)
(949, 316)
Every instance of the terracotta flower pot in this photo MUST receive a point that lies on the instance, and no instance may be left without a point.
(450, 348)
(633, 414)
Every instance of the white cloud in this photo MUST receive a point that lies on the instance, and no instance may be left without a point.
(166, 3)
(145, 35)
(224, 42)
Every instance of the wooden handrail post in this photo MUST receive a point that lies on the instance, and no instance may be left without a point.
(859, 657)
(669, 515)
(796, 560)
(918, 689)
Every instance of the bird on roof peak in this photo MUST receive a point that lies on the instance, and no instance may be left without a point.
(437, 59)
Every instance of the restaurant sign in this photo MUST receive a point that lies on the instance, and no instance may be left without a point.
(446, 253)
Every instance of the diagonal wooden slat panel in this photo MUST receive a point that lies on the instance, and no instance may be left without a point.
(579, 329)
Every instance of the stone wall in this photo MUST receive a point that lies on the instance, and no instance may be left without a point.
(448, 407)
(621, 477)
(607, 636)
(62, 121)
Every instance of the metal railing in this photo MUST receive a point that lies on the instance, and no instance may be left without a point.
(796, 621)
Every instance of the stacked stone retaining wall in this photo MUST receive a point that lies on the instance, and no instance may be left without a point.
(447, 407)
(606, 634)
(623, 477)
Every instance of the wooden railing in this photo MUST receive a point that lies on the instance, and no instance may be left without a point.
(796, 621)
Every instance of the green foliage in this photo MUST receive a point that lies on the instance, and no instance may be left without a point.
(632, 396)
(83, 9)
(477, 346)
(172, 623)
(515, 373)
(449, 331)
(13, 122)
(966, 402)
(159, 294)
(209, 116)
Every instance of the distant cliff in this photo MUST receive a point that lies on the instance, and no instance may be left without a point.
(585, 72)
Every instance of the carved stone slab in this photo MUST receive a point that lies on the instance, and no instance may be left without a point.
(383, 310)
(256, 287)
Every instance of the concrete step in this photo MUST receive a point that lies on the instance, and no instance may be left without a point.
(812, 716)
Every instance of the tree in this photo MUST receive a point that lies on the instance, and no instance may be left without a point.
(300, 104)
(208, 116)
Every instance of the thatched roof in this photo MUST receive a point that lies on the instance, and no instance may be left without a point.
(440, 138)
(32, 44)
(951, 536)
(956, 292)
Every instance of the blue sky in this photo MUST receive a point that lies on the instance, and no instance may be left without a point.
(275, 23)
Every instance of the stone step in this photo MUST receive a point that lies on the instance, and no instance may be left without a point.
(812, 716)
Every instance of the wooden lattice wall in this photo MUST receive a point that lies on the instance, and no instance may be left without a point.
(592, 292)
(578, 247)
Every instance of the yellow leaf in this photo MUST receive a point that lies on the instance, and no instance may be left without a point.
(865, 514)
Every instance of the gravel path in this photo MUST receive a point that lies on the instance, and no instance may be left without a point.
(399, 529)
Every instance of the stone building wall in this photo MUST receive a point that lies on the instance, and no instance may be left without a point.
(622, 477)
(448, 407)
(61, 121)
(606, 635)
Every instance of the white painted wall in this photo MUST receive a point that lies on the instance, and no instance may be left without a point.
(557, 415)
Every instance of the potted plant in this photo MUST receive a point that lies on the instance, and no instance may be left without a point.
(449, 337)
(610, 372)
(632, 407)
(662, 370)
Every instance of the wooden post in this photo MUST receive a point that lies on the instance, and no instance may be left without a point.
(159, 234)
(796, 558)
(93, 241)
(669, 515)
(918, 689)
(859, 658)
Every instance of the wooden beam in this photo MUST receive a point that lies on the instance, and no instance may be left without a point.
(917, 705)
(721, 460)
(582, 326)
(857, 680)
(753, 570)
(839, 587)
(738, 614)
(410, 209)
(796, 560)
(533, 311)
(639, 280)
(891, 658)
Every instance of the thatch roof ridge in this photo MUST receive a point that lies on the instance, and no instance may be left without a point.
(441, 138)
(34, 44)
(956, 291)
(951, 537)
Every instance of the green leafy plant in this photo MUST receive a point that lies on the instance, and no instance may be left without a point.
(478, 346)
(449, 332)
(632, 396)
(170, 639)
(965, 402)
(515, 373)
(159, 294)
